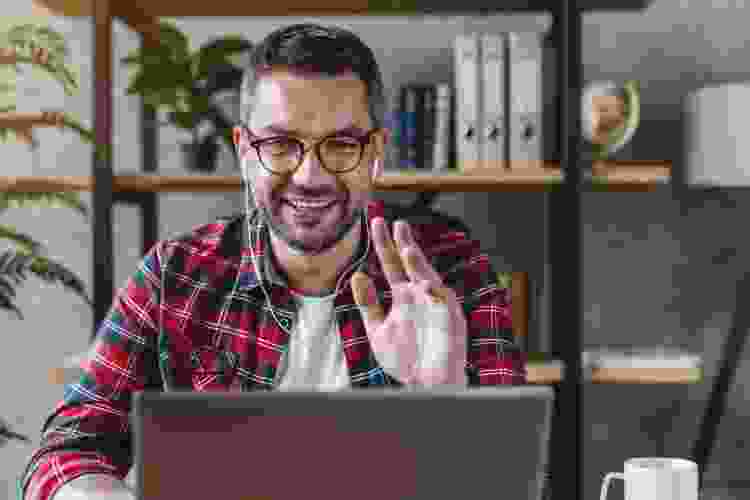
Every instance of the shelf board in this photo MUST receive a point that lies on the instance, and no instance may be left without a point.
(190, 8)
(618, 177)
(611, 176)
(551, 373)
(134, 13)
(20, 121)
(125, 183)
(141, 16)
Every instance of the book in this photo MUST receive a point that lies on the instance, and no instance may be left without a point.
(492, 63)
(441, 152)
(641, 357)
(409, 143)
(525, 57)
(426, 125)
(466, 50)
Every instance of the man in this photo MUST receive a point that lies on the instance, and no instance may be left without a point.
(308, 290)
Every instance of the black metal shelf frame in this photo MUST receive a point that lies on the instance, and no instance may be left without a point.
(564, 234)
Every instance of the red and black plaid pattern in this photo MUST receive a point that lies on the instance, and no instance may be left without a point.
(193, 316)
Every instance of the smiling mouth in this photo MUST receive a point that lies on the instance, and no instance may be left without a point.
(310, 205)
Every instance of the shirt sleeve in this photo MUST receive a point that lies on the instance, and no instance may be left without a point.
(494, 357)
(88, 431)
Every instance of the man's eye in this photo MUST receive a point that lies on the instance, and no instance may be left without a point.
(342, 145)
(279, 147)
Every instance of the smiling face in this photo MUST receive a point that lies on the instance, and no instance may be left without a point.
(311, 209)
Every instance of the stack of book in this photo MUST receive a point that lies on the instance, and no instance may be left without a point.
(497, 113)
(424, 126)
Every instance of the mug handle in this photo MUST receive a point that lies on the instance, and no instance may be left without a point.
(605, 484)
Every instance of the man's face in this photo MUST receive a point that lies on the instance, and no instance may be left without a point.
(309, 108)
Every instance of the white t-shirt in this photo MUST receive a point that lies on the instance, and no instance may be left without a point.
(315, 357)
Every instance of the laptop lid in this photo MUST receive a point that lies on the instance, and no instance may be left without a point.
(362, 444)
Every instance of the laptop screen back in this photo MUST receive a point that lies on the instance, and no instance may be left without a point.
(355, 444)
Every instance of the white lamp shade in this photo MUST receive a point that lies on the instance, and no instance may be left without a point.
(717, 136)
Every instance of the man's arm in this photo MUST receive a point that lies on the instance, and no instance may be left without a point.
(494, 357)
(88, 436)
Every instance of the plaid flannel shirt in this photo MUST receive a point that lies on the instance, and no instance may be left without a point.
(192, 317)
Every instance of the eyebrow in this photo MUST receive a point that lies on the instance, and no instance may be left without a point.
(351, 130)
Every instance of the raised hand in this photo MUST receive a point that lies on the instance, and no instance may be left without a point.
(422, 340)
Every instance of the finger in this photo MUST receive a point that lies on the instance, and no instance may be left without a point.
(366, 299)
(387, 253)
(416, 264)
(437, 294)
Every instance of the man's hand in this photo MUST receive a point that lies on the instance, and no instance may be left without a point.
(422, 339)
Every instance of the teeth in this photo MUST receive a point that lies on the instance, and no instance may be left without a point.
(309, 204)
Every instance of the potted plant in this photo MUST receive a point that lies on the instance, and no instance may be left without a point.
(188, 87)
(41, 47)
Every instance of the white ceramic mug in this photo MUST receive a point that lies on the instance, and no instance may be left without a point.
(656, 479)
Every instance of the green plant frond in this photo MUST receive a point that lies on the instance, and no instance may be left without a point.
(103, 151)
(15, 266)
(66, 199)
(22, 241)
(52, 271)
(57, 71)
(172, 37)
(27, 36)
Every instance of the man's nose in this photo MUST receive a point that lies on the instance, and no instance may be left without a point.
(311, 171)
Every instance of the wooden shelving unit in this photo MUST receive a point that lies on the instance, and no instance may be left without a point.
(565, 180)
(629, 176)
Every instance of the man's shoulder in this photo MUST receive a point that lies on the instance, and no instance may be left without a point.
(221, 238)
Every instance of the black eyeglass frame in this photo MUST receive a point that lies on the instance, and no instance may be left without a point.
(364, 141)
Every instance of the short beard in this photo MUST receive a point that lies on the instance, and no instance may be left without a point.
(298, 246)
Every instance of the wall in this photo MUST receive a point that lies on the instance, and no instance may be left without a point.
(660, 269)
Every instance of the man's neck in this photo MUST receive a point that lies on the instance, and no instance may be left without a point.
(316, 274)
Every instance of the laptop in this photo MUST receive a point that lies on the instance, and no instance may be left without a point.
(362, 444)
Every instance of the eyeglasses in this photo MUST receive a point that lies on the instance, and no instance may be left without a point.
(337, 153)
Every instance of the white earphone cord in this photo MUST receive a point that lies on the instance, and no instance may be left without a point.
(251, 236)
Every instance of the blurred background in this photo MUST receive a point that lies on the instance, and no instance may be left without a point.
(660, 268)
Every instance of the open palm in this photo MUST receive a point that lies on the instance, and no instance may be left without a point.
(422, 339)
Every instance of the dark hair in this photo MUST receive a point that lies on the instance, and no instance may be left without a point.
(326, 50)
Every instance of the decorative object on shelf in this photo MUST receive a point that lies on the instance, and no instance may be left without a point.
(43, 48)
(610, 116)
(716, 138)
(189, 87)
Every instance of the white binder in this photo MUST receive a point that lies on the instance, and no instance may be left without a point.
(493, 103)
(468, 119)
(526, 99)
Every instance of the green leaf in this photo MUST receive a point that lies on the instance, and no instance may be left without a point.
(103, 151)
(52, 271)
(14, 266)
(66, 199)
(504, 279)
(21, 240)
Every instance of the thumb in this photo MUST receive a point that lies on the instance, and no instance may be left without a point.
(367, 300)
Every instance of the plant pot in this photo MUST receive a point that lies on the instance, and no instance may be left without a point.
(200, 156)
